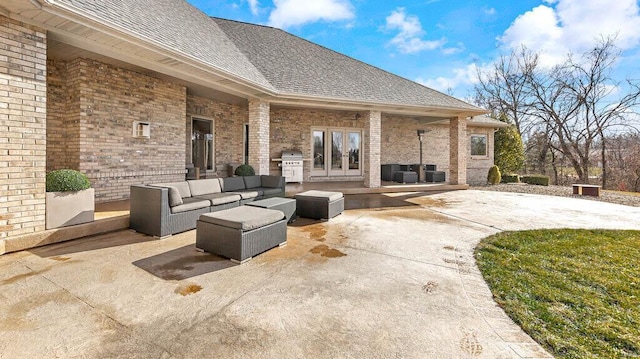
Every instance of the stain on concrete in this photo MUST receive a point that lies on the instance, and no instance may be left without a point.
(17, 315)
(454, 261)
(188, 289)
(430, 287)
(326, 251)
(450, 248)
(417, 214)
(316, 233)
(23, 276)
(470, 344)
(60, 258)
(430, 202)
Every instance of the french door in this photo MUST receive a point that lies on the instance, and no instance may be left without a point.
(336, 152)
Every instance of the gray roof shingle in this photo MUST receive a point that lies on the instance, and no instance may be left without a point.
(177, 25)
(271, 58)
(296, 66)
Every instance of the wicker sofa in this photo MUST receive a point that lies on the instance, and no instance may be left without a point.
(163, 209)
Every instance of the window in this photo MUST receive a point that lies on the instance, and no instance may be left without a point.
(478, 145)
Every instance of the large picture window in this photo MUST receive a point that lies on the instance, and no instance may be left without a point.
(478, 145)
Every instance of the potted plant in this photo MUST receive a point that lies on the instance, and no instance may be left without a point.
(245, 170)
(69, 199)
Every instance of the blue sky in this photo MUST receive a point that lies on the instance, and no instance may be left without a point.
(441, 43)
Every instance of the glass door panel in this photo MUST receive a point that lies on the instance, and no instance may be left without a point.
(319, 153)
(337, 152)
(353, 159)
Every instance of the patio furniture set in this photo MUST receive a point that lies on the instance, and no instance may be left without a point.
(409, 173)
(235, 217)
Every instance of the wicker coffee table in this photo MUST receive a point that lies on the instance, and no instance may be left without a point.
(286, 205)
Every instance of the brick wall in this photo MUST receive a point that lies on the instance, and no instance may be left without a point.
(371, 147)
(259, 134)
(23, 52)
(478, 166)
(291, 130)
(102, 102)
(400, 143)
(229, 120)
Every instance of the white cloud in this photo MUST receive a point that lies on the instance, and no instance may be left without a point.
(556, 28)
(295, 12)
(409, 39)
(572, 26)
(489, 11)
(454, 50)
(254, 5)
(462, 76)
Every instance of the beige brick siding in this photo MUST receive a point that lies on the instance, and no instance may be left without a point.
(478, 166)
(102, 104)
(400, 143)
(291, 130)
(229, 120)
(23, 89)
(371, 148)
(459, 145)
(259, 129)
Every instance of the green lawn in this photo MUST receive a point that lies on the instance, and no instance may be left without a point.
(576, 292)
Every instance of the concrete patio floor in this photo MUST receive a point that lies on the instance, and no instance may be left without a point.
(392, 277)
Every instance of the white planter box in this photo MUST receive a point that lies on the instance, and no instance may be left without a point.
(69, 208)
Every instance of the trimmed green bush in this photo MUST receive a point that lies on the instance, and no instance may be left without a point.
(510, 178)
(494, 175)
(245, 170)
(66, 180)
(539, 180)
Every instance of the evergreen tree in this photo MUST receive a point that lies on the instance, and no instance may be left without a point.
(508, 148)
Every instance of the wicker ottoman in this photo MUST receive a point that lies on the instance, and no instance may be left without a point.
(405, 177)
(319, 204)
(435, 176)
(242, 232)
(285, 205)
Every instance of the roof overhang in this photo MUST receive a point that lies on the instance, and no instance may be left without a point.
(69, 26)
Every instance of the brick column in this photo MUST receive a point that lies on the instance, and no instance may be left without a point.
(372, 138)
(259, 136)
(458, 150)
(23, 110)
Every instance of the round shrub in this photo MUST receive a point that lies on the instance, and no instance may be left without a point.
(494, 175)
(245, 170)
(67, 180)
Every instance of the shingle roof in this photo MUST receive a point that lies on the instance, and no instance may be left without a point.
(486, 121)
(271, 58)
(296, 66)
(177, 25)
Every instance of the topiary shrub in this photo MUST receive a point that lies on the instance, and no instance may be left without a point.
(245, 170)
(539, 180)
(494, 175)
(66, 180)
(510, 178)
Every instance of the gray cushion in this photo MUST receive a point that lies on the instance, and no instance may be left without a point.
(220, 198)
(204, 186)
(252, 181)
(190, 204)
(272, 181)
(270, 191)
(320, 195)
(244, 217)
(248, 194)
(175, 199)
(182, 187)
(232, 184)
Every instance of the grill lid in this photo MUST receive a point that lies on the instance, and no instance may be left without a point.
(291, 155)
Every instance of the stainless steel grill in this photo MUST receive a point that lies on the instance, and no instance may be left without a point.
(292, 166)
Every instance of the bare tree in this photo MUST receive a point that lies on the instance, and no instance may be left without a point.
(575, 105)
(503, 88)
